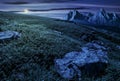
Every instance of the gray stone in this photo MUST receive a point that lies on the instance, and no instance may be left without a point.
(6, 35)
(118, 46)
(88, 37)
(92, 59)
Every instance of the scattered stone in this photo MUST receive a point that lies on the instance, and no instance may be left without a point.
(92, 60)
(7, 35)
(1, 22)
(88, 37)
(118, 46)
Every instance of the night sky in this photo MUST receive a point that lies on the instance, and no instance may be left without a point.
(62, 5)
(111, 2)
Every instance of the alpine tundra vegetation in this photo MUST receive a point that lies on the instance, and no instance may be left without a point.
(43, 41)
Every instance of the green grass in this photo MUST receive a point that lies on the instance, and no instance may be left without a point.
(31, 57)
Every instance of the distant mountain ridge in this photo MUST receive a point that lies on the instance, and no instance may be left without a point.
(101, 18)
(104, 18)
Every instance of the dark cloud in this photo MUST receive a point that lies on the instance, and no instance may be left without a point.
(114, 2)
(34, 0)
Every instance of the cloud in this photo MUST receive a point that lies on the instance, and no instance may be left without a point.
(113, 2)
(3, 1)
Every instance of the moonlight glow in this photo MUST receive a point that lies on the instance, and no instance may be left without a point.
(26, 11)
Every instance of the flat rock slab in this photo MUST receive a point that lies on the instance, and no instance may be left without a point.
(6, 35)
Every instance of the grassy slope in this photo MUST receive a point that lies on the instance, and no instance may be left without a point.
(31, 58)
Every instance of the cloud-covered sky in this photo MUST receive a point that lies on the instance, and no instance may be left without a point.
(34, 0)
(113, 2)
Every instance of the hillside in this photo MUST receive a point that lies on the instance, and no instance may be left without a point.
(31, 57)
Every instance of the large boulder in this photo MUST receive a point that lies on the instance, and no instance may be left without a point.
(92, 60)
(7, 35)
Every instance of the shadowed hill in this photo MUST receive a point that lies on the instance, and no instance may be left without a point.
(43, 39)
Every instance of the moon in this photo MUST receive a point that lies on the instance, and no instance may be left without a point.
(26, 11)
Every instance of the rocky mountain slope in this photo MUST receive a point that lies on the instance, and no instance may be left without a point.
(100, 18)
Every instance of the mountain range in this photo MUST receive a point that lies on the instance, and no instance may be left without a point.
(100, 18)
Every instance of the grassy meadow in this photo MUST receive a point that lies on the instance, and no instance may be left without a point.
(31, 57)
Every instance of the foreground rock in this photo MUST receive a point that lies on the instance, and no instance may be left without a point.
(7, 35)
(92, 60)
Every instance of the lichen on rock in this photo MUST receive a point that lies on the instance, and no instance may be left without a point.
(92, 59)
